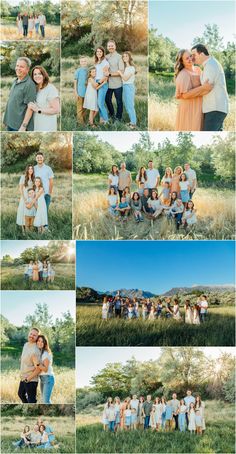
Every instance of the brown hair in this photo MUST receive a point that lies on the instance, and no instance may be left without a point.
(44, 74)
(131, 62)
(179, 62)
(95, 54)
(45, 343)
(41, 184)
(27, 175)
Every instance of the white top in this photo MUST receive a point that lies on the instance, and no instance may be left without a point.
(191, 175)
(100, 67)
(45, 173)
(31, 24)
(188, 400)
(184, 185)
(129, 70)
(42, 19)
(217, 99)
(155, 204)
(127, 412)
(204, 307)
(44, 122)
(152, 175)
(114, 179)
(134, 403)
(183, 408)
(48, 356)
(112, 199)
(40, 266)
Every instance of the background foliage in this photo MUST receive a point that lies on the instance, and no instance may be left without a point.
(50, 9)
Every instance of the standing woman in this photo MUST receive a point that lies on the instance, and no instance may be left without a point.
(140, 412)
(47, 105)
(19, 24)
(167, 178)
(26, 182)
(113, 178)
(35, 277)
(31, 25)
(102, 72)
(141, 177)
(200, 405)
(175, 186)
(36, 24)
(128, 78)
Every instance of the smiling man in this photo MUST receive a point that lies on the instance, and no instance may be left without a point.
(18, 117)
(28, 389)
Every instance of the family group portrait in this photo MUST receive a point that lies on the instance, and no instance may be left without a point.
(36, 186)
(31, 86)
(104, 65)
(192, 73)
(153, 186)
(30, 20)
(38, 347)
(145, 305)
(37, 265)
(152, 400)
(38, 428)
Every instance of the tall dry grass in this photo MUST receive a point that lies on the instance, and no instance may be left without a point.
(9, 32)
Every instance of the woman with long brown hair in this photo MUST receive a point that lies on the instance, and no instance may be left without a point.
(26, 182)
(41, 217)
(189, 93)
(102, 73)
(128, 79)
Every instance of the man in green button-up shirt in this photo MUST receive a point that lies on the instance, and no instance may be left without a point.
(18, 117)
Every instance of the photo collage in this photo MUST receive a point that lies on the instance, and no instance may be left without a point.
(118, 226)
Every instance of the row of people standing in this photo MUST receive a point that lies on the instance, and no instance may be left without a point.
(39, 271)
(28, 23)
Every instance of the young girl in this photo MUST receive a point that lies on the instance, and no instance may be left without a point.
(136, 206)
(152, 422)
(136, 309)
(91, 96)
(175, 187)
(126, 194)
(152, 313)
(189, 216)
(144, 310)
(51, 273)
(41, 217)
(167, 178)
(36, 25)
(117, 405)
(196, 318)
(200, 405)
(176, 212)
(128, 78)
(105, 413)
(134, 419)
(158, 413)
(113, 201)
(182, 416)
(198, 422)
(31, 26)
(184, 189)
(19, 24)
(104, 309)
(176, 312)
(127, 416)
(155, 205)
(45, 271)
(188, 313)
(159, 308)
(191, 418)
(130, 311)
(165, 194)
(163, 416)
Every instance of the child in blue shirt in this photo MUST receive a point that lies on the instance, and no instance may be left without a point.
(123, 208)
(80, 79)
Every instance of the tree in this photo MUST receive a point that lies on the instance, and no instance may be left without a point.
(162, 53)
(112, 380)
(223, 157)
(211, 39)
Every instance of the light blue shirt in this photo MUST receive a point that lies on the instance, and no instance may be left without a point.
(81, 75)
(45, 173)
(188, 400)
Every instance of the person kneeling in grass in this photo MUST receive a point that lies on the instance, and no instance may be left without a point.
(24, 438)
(123, 208)
(155, 205)
(136, 206)
(112, 201)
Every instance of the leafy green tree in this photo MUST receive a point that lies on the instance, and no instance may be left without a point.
(162, 52)
(211, 39)
(223, 157)
(229, 388)
(112, 380)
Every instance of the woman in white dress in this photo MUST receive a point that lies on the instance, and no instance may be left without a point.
(26, 182)
(196, 317)
(47, 105)
(176, 311)
(158, 413)
(41, 218)
(188, 313)
(19, 25)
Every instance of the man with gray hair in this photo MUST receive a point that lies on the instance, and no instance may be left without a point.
(18, 117)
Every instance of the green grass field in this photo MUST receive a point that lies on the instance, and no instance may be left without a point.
(91, 220)
(69, 120)
(60, 210)
(12, 426)
(218, 438)
(163, 106)
(12, 278)
(91, 330)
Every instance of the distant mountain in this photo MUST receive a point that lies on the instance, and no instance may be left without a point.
(133, 293)
(200, 288)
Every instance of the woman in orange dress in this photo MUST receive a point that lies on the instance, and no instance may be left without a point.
(35, 276)
(189, 93)
(175, 187)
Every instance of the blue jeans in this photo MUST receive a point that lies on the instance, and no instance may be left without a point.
(213, 121)
(45, 445)
(42, 30)
(128, 98)
(101, 102)
(37, 28)
(11, 129)
(118, 95)
(182, 422)
(46, 387)
(203, 317)
(25, 30)
(48, 201)
(111, 426)
(146, 422)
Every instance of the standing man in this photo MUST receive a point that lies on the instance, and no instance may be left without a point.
(44, 172)
(125, 179)
(188, 400)
(40, 269)
(175, 405)
(147, 408)
(153, 177)
(28, 389)
(215, 104)
(42, 24)
(18, 117)
(25, 23)
(114, 82)
(192, 179)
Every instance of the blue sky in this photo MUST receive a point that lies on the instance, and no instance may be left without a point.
(182, 21)
(15, 306)
(156, 266)
(89, 360)
(15, 248)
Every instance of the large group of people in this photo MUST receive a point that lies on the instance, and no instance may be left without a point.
(33, 103)
(31, 25)
(94, 86)
(147, 309)
(174, 201)
(158, 414)
(40, 436)
(38, 271)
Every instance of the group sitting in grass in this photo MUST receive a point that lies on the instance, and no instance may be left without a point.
(41, 436)
(38, 271)
(174, 201)
(129, 309)
(159, 415)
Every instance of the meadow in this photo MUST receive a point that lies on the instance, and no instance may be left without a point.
(63, 392)
(91, 220)
(63, 426)
(218, 437)
(69, 120)
(60, 215)
(6, 83)
(91, 330)
(9, 32)
(12, 278)
(163, 106)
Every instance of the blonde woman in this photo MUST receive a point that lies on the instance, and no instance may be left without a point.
(128, 78)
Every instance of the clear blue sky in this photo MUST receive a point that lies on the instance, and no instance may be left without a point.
(89, 360)
(156, 266)
(182, 21)
(16, 305)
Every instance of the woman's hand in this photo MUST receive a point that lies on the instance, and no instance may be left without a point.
(33, 106)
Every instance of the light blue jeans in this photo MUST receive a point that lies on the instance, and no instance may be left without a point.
(45, 445)
(101, 102)
(182, 422)
(128, 98)
(46, 387)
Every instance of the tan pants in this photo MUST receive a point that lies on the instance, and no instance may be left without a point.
(29, 222)
(80, 110)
